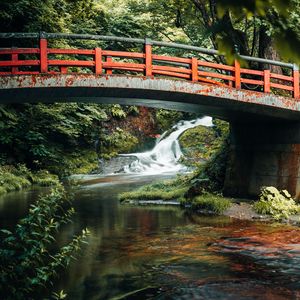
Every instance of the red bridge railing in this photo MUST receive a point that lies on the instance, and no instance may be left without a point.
(45, 60)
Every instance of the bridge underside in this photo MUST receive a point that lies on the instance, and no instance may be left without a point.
(265, 128)
(222, 102)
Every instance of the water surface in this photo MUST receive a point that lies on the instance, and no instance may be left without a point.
(166, 253)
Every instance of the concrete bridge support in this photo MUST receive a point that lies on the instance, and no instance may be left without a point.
(263, 154)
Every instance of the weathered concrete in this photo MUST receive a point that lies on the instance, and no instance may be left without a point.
(263, 154)
(223, 102)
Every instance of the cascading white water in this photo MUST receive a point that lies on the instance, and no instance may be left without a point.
(164, 157)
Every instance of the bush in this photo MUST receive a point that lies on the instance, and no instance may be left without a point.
(278, 204)
(28, 263)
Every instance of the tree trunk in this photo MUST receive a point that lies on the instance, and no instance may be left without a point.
(266, 50)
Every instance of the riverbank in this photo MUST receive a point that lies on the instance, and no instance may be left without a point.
(272, 205)
(240, 209)
(14, 178)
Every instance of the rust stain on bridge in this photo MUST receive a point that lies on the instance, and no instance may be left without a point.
(159, 84)
(165, 89)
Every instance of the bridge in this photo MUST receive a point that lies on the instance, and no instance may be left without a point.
(262, 107)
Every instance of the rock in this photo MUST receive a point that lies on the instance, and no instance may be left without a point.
(114, 165)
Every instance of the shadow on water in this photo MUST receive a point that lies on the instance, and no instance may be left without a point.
(165, 253)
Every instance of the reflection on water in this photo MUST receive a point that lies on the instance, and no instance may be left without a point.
(165, 253)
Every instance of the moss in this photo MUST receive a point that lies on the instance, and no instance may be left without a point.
(278, 204)
(196, 143)
(209, 202)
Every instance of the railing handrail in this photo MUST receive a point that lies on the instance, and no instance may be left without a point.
(31, 35)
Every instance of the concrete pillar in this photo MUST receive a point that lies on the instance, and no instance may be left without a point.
(263, 154)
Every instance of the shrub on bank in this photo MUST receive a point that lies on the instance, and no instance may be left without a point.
(278, 204)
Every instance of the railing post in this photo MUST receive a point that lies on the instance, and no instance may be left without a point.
(148, 57)
(108, 60)
(237, 74)
(43, 54)
(296, 81)
(63, 70)
(194, 69)
(267, 81)
(98, 61)
(14, 58)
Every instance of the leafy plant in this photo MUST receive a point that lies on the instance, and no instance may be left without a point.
(28, 262)
(278, 204)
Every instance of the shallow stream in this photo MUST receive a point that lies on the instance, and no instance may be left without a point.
(156, 252)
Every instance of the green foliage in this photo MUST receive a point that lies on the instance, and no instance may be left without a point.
(166, 190)
(44, 178)
(81, 161)
(119, 141)
(14, 178)
(209, 202)
(28, 262)
(210, 144)
(117, 111)
(40, 135)
(278, 204)
(165, 119)
(11, 182)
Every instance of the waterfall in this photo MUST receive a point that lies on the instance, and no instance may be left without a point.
(164, 157)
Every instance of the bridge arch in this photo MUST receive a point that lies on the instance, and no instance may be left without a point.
(218, 101)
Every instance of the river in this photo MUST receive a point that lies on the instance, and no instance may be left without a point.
(156, 252)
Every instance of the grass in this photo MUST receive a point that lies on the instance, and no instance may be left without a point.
(176, 189)
(167, 190)
(209, 202)
(14, 178)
